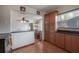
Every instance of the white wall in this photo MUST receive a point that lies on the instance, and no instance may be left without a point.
(42, 14)
(5, 13)
(16, 25)
(4, 19)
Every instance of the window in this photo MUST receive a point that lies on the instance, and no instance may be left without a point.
(68, 19)
(66, 16)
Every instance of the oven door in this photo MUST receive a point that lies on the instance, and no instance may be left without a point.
(8, 44)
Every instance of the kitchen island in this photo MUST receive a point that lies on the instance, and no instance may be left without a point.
(22, 38)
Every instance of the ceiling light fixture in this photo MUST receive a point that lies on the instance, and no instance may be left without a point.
(23, 20)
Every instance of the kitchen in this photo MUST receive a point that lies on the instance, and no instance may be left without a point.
(55, 24)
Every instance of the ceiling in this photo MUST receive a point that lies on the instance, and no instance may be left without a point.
(45, 8)
(50, 8)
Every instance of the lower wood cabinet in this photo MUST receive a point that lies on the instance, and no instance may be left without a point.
(52, 38)
(68, 42)
(60, 40)
(75, 43)
(72, 43)
(46, 37)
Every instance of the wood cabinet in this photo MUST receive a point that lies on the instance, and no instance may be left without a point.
(52, 21)
(75, 43)
(46, 25)
(52, 38)
(60, 40)
(50, 26)
(72, 43)
(68, 42)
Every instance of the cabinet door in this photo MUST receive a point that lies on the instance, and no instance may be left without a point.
(68, 42)
(46, 20)
(52, 27)
(52, 21)
(60, 40)
(75, 43)
(52, 38)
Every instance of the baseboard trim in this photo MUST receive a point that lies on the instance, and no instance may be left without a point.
(23, 46)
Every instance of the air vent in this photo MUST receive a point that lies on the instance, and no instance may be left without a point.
(38, 12)
(22, 8)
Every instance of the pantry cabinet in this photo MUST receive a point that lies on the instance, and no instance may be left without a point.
(46, 26)
(50, 26)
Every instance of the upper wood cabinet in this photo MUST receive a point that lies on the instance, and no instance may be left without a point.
(52, 26)
(52, 20)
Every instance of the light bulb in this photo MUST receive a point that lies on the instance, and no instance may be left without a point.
(22, 21)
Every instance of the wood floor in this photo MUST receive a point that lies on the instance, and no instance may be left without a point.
(40, 47)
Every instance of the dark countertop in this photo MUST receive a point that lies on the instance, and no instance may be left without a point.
(68, 29)
(19, 31)
(4, 35)
(68, 32)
